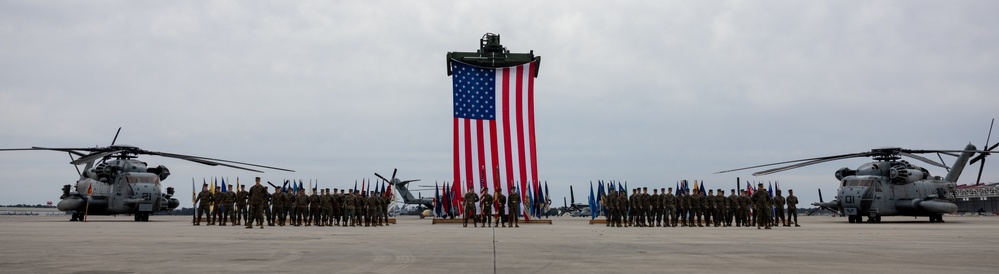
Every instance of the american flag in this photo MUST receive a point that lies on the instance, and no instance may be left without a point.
(494, 126)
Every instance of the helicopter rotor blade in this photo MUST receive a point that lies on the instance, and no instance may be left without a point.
(115, 136)
(394, 170)
(811, 162)
(842, 156)
(76, 166)
(409, 181)
(943, 163)
(924, 159)
(383, 178)
(182, 156)
(93, 156)
(212, 163)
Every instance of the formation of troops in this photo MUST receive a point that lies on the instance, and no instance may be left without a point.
(642, 209)
(322, 208)
(356, 208)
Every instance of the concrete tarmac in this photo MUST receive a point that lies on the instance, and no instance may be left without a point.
(105, 244)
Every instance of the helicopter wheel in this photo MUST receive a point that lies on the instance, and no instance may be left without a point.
(75, 217)
(851, 218)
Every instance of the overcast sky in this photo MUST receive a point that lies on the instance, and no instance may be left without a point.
(646, 92)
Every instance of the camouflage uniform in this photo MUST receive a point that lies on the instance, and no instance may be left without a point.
(669, 208)
(277, 207)
(683, 208)
(241, 213)
(229, 207)
(607, 206)
(792, 208)
(217, 216)
(762, 207)
(501, 211)
(733, 208)
(348, 204)
(315, 209)
(204, 201)
(327, 216)
(656, 213)
(470, 199)
(708, 208)
(622, 209)
(258, 196)
(745, 204)
(779, 210)
(514, 204)
(268, 201)
(301, 208)
(337, 202)
(487, 208)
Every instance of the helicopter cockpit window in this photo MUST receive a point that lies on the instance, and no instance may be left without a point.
(867, 183)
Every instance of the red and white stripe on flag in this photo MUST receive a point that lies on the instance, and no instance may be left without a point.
(494, 136)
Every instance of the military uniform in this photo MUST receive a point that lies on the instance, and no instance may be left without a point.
(217, 200)
(327, 202)
(733, 208)
(501, 201)
(608, 206)
(779, 210)
(258, 195)
(470, 199)
(655, 214)
(745, 204)
(301, 208)
(487, 208)
(228, 207)
(644, 208)
(241, 212)
(514, 204)
(348, 204)
(277, 207)
(761, 208)
(337, 202)
(268, 200)
(792, 208)
(622, 209)
(204, 201)
(669, 208)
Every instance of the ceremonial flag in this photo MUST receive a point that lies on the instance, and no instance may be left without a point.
(456, 198)
(592, 202)
(355, 185)
(493, 119)
(601, 195)
(224, 189)
(703, 192)
(437, 201)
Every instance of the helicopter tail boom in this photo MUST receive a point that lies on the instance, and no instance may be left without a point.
(955, 171)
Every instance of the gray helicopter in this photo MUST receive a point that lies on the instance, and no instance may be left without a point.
(115, 182)
(890, 186)
(403, 188)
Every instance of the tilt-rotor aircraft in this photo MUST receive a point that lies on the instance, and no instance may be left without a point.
(115, 182)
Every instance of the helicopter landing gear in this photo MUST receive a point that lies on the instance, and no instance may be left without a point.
(854, 218)
(936, 218)
(141, 216)
(76, 217)
(873, 219)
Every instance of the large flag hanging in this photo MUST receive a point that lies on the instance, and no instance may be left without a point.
(494, 125)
